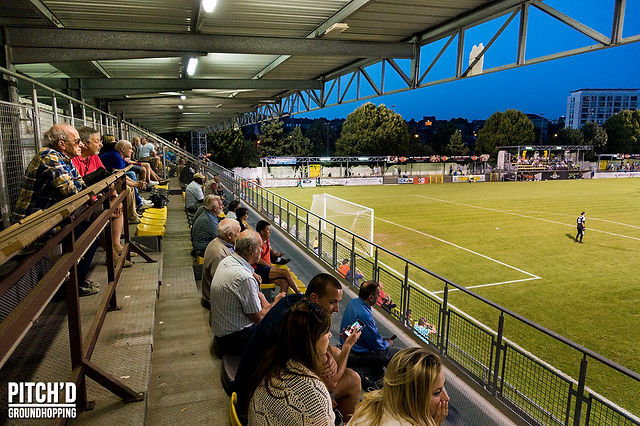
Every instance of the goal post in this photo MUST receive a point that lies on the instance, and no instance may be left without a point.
(353, 217)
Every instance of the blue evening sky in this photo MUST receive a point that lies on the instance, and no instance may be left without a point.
(540, 88)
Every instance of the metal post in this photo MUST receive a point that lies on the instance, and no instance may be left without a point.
(496, 364)
(280, 206)
(297, 224)
(36, 120)
(353, 260)
(288, 228)
(4, 194)
(93, 116)
(580, 392)
(334, 263)
(84, 116)
(306, 241)
(73, 123)
(404, 303)
(376, 272)
(54, 105)
(443, 317)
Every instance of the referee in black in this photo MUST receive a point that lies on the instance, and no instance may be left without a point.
(581, 225)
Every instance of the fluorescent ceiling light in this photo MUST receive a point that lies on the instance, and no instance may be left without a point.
(209, 5)
(191, 66)
(180, 106)
(183, 97)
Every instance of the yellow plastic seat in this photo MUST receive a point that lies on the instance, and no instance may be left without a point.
(281, 267)
(200, 260)
(267, 286)
(154, 210)
(154, 215)
(145, 230)
(152, 221)
(233, 413)
(163, 186)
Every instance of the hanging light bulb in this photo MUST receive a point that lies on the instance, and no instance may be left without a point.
(209, 5)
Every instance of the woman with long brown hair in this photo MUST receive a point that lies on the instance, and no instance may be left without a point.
(286, 388)
(413, 393)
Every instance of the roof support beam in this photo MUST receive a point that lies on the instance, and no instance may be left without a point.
(578, 26)
(173, 84)
(43, 10)
(35, 55)
(129, 40)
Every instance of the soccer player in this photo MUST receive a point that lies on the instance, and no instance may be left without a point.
(581, 226)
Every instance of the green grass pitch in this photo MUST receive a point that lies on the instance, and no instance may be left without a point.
(519, 236)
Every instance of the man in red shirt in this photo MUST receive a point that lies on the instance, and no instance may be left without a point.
(88, 162)
(281, 277)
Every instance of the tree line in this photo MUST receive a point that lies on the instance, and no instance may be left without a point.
(378, 130)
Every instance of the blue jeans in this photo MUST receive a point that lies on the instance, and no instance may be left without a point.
(133, 176)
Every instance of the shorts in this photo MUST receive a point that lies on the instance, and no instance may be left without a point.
(263, 271)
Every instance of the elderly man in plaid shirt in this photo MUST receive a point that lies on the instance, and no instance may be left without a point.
(50, 178)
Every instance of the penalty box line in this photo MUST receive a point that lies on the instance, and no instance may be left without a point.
(525, 216)
(532, 276)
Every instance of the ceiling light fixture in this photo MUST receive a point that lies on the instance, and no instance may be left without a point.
(191, 65)
(180, 106)
(337, 28)
(183, 97)
(209, 5)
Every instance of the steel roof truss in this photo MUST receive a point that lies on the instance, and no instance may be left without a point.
(576, 25)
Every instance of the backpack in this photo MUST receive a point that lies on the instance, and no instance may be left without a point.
(159, 200)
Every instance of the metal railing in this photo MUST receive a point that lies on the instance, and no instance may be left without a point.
(527, 384)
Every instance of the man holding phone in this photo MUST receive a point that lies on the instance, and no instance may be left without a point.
(371, 350)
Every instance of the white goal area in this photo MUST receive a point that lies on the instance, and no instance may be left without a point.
(351, 216)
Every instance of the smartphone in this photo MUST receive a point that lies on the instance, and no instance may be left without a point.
(353, 328)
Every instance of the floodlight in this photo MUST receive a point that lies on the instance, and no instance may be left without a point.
(183, 97)
(180, 106)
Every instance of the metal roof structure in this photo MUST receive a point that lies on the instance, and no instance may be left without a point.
(261, 58)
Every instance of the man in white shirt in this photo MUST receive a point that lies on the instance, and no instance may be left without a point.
(146, 152)
(237, 305)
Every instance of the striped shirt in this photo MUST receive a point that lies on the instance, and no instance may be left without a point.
(49, 178)
(234, 295)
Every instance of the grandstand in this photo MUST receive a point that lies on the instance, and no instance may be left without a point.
(143, 341)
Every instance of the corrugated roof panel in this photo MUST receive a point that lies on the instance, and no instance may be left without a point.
(228, 65)
(144, 68)
(305, 68)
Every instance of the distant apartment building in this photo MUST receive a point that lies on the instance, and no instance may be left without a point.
(597, 105)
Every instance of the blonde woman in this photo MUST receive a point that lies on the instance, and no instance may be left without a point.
(413, 393)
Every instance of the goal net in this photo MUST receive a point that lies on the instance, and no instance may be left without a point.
(351, 216)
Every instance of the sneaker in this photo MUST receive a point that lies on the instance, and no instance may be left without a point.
(134, 220)
(86, 289)
(127, 264)
(96, 284)
(282, 261)
(145, 204)
(163, 182)
(152, 183)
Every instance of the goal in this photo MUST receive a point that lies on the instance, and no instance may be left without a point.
(351, 216)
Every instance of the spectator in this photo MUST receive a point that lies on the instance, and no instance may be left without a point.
(384, 300)
(424, 328)
(205, 227)
(51, 177)
(371, 350)
(345, 271)
(268, 274)
(231, 212)
(202, 209)
(186, 175)
(180, 167)
(286, 387)
(343, 382)
(108, 143)
(146, 152)
(144, 169)
(413, 393)
(221, 247)
(114, 160)
(193, 195)
(237, 304)
(242, 214)
(88, 162)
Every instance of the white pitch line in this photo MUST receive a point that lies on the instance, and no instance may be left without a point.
(490, 284)
(590, 218)
(525, 216)
(457, 246)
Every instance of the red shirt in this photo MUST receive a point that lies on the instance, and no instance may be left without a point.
(266, 252)
(91, 164)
